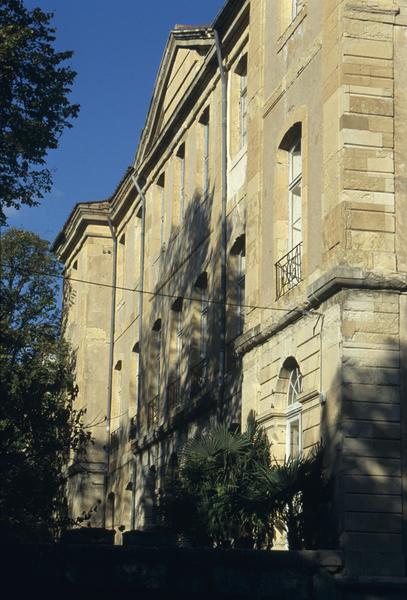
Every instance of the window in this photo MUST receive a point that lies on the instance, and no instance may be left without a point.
(294, 195)
(289, 388)
(110, 511)
(204, 121)
(180, 343)
(294, 386)
(293, 444)
(289, 185)
(179, 327)
(121, 266)
(202, 285)
(296, 7)
(161, 187)
(239, 252)
(157, 355)
(181, 159)
(242, 72)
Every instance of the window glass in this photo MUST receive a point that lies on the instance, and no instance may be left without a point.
(296, 7)
(243, 105)
(294, 386)
(294, 443)
(295, 196)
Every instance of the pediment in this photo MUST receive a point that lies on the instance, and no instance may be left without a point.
(183, 57)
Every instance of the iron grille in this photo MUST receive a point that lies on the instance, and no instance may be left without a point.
(288, 271)
(198, 379)
(115, 438)
(153, 412)
(133, 428)
(174, 396)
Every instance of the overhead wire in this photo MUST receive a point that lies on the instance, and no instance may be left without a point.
(163, 294)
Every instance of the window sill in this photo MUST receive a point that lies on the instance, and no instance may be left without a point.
(293, 26)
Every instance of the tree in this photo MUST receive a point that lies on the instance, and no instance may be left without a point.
(38, 424)
(34, 89)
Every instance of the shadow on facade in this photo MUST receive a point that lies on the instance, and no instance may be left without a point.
(188, 318)
(362, 426)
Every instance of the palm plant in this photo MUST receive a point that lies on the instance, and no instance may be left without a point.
(228, 489)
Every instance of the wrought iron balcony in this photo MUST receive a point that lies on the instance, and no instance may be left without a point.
(198, 379)
(288, 271)
(115, 439)
(174, 397)
(133, 428)
(153, 412)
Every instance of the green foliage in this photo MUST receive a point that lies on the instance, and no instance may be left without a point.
(38, 424)
(34, 89)
(299, 493)
(207, 500)
(228, 491)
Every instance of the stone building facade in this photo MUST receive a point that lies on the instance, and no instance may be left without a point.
(254, 256)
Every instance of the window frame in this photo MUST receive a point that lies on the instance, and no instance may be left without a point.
(205, 124)
(294, 180)
(181, 163)
(293, 416)
(243, 103)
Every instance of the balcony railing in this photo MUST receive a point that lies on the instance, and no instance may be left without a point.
(288, 271)
(153, 412)
(133, 428)
(198, 379)
(174, 402)
(115, 439)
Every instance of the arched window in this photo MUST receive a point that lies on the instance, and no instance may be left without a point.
(294, 386)
(290, 384)
(238, 253)
(290, 186)
(295, 194)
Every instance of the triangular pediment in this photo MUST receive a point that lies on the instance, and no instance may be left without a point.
(183, 57)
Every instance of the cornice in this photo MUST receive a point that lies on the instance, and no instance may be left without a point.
(83, 215)
(329, 284)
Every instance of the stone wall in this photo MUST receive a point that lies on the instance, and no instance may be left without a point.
(165, 573)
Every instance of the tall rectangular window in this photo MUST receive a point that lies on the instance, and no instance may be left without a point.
(293, 439)
(181, 165)
(179, 331)
(238, 252)
(294, 195)
(121, 267)
(204, 324)
(204, 120)
(161, 187)
(157, 355)
(241, 286)
(180, 343)
(243, 102)
(296, 7)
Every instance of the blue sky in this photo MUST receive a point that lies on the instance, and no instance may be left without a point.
(118, 47)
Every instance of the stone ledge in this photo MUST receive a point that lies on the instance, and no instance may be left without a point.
(341, 277)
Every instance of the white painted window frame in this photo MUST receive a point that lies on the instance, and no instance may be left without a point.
(293, 182)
